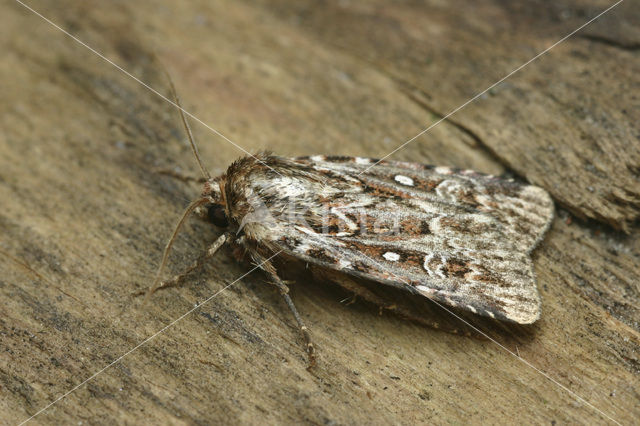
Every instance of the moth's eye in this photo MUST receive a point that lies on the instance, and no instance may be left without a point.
(217, 215)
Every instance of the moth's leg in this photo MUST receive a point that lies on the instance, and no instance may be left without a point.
(180, 176)
(177, 279)
(284, 291)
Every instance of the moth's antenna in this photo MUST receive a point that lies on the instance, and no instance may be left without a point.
(194, 148)
(165, 254)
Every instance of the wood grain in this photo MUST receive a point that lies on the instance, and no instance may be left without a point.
(85, 216)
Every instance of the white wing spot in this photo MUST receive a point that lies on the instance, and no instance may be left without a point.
(491, 314)
(318, 158)
(472, 309)
(404, 180)
(344, 234)
(443, 170)
(361, 160)
(425, 289)
(391, 256)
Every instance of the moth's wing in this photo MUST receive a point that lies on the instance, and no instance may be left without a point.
(525, 211)
(457, 237)
(499, 284)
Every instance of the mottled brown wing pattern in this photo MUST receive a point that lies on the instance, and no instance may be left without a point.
(456, 236)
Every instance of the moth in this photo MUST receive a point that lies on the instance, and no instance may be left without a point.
(458, 237)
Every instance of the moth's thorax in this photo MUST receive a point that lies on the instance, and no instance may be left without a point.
(257, 191)
(266, 193)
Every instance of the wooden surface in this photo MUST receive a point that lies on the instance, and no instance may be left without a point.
(84, 217)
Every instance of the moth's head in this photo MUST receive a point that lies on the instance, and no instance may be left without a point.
(215, 209)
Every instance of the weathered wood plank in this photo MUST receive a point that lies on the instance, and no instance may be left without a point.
(84, 217)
